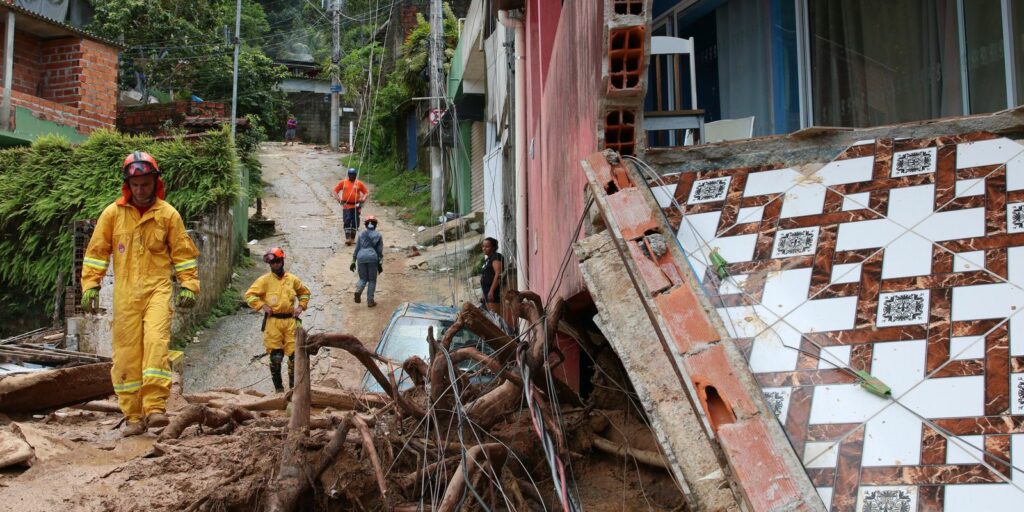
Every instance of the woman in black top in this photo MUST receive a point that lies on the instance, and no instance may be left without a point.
(490, 275)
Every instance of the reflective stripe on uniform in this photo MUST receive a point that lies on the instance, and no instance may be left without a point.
(303, 297)
(127, 387)
(156, 373)
(185, 265)
(252, 298)
(95, 263)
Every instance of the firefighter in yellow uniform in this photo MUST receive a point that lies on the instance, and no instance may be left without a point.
(147, 239)
(275, 294)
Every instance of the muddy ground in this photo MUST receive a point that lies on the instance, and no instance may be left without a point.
(298, 197)
(82, 463)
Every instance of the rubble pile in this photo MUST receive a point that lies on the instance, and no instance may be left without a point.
(519, 440)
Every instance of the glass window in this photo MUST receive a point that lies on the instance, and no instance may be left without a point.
(877, 62)
(986, 66)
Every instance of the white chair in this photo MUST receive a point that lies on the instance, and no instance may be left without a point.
(729, 129)
(668, 114)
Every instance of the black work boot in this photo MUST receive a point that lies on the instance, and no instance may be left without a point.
(291, 371)
(276, 356)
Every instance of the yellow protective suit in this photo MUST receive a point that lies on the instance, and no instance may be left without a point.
(145, 248)
(280, 293)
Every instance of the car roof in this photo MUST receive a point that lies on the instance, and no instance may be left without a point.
(424, 310)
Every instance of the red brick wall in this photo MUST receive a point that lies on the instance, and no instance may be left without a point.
(99, 84)
(154, 119)
(27, 70)
(61, 60)
(71, 81)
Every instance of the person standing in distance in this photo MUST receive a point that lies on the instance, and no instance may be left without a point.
(490, 275)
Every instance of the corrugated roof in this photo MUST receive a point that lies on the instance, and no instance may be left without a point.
(8, 5)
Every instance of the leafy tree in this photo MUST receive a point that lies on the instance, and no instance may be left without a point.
(406, 76)
(180, 46)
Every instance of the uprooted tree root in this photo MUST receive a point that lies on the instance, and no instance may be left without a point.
(446, 443)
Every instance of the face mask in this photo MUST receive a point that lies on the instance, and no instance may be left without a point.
(371, 226)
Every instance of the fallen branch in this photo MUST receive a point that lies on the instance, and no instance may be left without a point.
(493, 455)
(206, 416)
(335, 448)
(371, 451)
(301, 391)
(99, 406)
(53, 389)
(411, 481)
(416, 369)
(645, 456)
(352, 345)
(502, 400)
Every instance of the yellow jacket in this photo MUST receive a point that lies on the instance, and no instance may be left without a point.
(277, 292)
(145, 249)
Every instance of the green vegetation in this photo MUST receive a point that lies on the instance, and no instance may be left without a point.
(405, 77)
(181, 47)
(394, 186)
(46, 187)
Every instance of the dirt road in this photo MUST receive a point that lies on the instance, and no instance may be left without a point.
(299, 180)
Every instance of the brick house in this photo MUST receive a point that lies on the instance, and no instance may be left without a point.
(62, 79)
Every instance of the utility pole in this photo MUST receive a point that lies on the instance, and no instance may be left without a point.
(436, 47)
(335, 80)
(234, 73)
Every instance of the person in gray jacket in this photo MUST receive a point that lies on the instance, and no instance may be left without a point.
(368, 256)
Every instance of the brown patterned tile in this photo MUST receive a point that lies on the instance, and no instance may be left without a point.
(918, 475)
(938, 329)
(931, 498)
(997, 454)
(983, 425)
(858, 151)
(844, 492)
(997, 371)
(933, 446)
(822, 477)
(945, 176)
(799, 413)
(961, 368)
(804, 378)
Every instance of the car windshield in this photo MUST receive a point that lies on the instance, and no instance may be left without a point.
(407, 337)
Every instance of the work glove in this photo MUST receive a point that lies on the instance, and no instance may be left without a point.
(298, 311)
(352, 267)
(91, 300)
(380, 268)
(186, 299)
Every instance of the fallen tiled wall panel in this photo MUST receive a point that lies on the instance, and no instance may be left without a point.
(765, 471)
(902, 258)
(621, 318)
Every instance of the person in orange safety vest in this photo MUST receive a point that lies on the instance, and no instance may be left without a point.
(147, 239)
(351, 193)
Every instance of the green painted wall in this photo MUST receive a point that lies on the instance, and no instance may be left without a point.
(29, 128)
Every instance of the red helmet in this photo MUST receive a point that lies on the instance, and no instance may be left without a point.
(369, 219)
(273, 254)
(139, 163)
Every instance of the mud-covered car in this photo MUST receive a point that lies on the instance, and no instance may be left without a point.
(406, 336)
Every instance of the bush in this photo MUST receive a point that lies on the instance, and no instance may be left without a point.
(46, 187)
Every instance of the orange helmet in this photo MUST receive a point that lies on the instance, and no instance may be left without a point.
(273, 254)
(139, 163)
